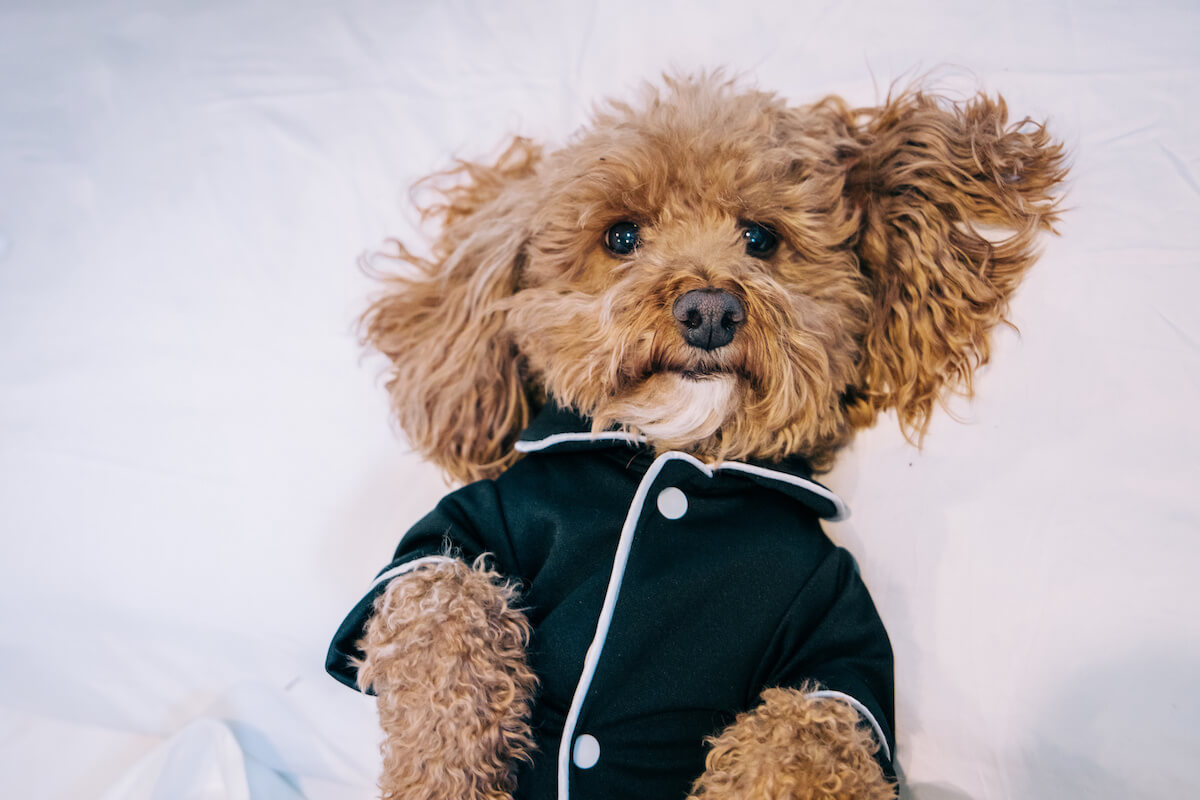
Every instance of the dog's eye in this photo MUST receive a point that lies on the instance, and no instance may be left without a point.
(761, 241)
(622, 238)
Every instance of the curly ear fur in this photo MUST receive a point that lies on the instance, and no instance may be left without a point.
(455, 383)
(928, 175)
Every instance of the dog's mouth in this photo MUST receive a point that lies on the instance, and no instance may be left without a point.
(697, 372)
(692, 368)
(701, 373)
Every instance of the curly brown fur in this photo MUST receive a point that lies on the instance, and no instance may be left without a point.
(445, 654)
(456, 388)
(928, 176)
(880, 296)
(794, 747)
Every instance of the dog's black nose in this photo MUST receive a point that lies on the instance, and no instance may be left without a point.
(708, 318)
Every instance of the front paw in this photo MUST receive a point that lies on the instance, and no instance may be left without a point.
(445, 655)
(794, 747)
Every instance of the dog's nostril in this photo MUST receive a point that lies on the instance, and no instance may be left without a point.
(708, 318)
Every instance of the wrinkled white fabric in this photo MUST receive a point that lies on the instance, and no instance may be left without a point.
(201, 762)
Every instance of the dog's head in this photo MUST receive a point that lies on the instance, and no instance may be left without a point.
(719, 271)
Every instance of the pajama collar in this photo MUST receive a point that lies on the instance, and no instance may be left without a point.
(559, 430)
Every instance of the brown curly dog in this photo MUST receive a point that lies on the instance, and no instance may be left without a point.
(669, 322)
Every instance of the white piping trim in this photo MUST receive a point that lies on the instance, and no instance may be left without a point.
(840, 508)
(862, 712)
(557, 438)
(408, 566)
(592, 659)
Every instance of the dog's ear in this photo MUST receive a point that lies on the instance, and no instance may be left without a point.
(951, 198)
(455, 382)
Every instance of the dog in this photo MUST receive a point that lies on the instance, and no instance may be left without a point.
(634, 351)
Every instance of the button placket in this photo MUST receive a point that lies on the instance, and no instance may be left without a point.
(583, 751)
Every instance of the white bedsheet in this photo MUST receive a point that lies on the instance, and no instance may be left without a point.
(197, 474)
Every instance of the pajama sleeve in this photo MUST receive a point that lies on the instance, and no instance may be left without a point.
(464, 525)
(832, 638)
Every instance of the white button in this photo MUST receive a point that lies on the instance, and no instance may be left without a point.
(586, 751)
(672, 503)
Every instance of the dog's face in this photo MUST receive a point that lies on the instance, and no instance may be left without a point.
(692, 277)
(719, 271)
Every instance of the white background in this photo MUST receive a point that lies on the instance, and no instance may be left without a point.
(197, 473)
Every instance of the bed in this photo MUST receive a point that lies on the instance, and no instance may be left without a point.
(197, 472)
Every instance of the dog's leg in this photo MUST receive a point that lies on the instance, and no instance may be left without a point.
(794, 746)
(445, 655)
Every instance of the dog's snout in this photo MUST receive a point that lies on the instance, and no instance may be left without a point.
(708, 318)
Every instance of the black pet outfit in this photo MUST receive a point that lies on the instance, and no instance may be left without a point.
(664, 594)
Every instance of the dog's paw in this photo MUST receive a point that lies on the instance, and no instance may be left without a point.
(794, 746)
(445, 655)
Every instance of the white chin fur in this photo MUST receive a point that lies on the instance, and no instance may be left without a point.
(675, 411)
